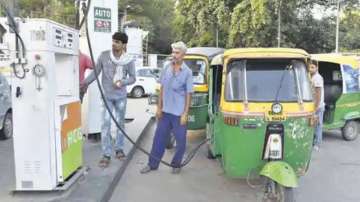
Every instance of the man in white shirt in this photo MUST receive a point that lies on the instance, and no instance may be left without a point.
(318, 90)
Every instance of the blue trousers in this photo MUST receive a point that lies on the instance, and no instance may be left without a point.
(319, 126)
(119, 106)
(166, 124)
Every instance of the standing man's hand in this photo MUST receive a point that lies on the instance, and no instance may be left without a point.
(158, 113)
(118, 84)
(83, 89)
(183, 118)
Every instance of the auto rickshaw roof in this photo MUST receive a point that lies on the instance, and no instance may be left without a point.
(266, 53)
(337, 58)
(217, 60)
(208, 52)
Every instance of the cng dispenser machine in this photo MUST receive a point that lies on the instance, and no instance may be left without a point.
(46, 106)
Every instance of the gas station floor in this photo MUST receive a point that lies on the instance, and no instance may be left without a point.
(333, 176)
(95, 183)
(202, 180)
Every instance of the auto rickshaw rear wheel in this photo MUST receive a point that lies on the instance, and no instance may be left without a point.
(351, 130)
(275, 192)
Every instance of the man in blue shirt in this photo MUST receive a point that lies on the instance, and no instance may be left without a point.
(176, 86)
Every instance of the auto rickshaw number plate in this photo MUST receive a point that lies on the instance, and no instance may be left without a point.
(275, 117)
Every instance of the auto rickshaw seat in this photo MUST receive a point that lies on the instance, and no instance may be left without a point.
(332, 92)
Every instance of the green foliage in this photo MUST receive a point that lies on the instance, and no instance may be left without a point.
(155, 16)
(62, 11)
(254, 23)
(196, 22)
(240, 23)
(247, 19)
(313, 35)
(349, 30)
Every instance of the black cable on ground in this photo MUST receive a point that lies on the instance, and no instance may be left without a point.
(191, 153)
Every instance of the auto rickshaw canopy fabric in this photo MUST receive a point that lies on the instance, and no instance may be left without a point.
(337, 58)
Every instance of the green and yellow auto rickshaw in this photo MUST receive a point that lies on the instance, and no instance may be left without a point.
(198, 60)
(261, 116)
(341, 93)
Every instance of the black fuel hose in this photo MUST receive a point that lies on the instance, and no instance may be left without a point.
(85, 12)
(12, 26)
(191, 154)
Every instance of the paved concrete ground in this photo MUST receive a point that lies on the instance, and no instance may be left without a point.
(7, 175)
(90, 187)
(334, 176)
(334, 173)
(201, 181)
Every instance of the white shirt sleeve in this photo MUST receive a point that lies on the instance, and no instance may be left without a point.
(318, 81)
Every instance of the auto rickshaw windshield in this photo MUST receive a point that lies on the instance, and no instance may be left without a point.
(198, 67)
(260, 80)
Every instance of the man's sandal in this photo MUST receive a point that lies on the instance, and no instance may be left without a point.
(104, 162)
(120, 154)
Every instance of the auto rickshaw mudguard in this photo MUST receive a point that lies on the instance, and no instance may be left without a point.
(281, 172)
(352, 115)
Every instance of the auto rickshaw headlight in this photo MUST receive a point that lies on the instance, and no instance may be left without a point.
(276, 108)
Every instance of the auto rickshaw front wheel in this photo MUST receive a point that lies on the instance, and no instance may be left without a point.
(351, 130)
(275, 192)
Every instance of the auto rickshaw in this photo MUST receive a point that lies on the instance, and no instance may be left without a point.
(198, 60)
(261, 116)
(341, 93)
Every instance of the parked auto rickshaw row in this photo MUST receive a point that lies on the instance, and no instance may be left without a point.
(260, 112)
(341, 95)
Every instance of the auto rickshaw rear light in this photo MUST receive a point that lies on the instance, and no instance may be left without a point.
(232, 121)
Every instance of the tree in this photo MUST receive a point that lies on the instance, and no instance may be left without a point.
(349, 30)
(154, 16)
(248, 20)
(197, 22)
(253, 23)
(63, 11)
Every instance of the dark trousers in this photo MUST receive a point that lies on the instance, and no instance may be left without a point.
(165, 125)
